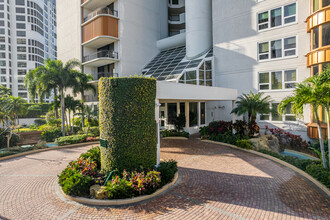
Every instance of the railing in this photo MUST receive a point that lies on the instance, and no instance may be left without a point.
(103, 11)
(101, 54)
(106, 74)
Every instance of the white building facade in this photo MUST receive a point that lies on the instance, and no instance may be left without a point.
(27, 37)
(242, 45)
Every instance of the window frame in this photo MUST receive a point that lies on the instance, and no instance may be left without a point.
(282, 49)
(270, 80)
(270, 116)
(283, 24)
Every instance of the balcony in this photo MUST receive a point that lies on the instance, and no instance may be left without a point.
(100, 31)
(95, 4)
(103, 11)
(100, 58)
(319, 17)
(321, 55)
(177, 19)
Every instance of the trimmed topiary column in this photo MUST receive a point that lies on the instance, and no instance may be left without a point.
(127, 123)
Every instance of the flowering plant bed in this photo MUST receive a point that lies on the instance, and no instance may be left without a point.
(83, 178)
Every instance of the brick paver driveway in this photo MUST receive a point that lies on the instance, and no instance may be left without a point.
(215, 183)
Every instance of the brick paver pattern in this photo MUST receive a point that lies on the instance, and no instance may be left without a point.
(215, 182)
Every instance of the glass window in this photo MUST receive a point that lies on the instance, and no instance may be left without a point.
(326, 34)
(203, 107)
(264, 51)
(276, 17)
(182, 108)
(325, 3)
(264, 117)
(202, 75)
(263, 20)
(288, 115)
(290, 46)
(315, 70)
(193, 114)
(276, 80)
(276, 116)
(171, 113)
(316, 5)
(315, 35)
(290, 13)
(191, 77)
(264, 81)
(290, 79)
(276, 49)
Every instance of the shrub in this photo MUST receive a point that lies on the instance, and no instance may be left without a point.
(219, 127)
(167, 170)
(318, 172)
(74, 139)
(74, 183)
(50, 133)
(94, 154)
(54, 122)
(244, 144)
(180, 122)
(85, 165)
(93, 131)
(228, 138)
(240, 127)
(127, 122)
(40, 122)
(119, 188)
(3, 139)
(174, 133)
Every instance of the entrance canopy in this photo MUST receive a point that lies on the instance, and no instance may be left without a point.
(178, 91)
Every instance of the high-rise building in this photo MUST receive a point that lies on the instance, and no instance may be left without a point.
(210, 50)
(27, 37)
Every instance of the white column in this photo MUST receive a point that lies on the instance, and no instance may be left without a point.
(199, 113)
(158, 130)
(187, 114)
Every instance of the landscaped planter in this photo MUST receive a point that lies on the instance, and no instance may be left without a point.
(119, 202)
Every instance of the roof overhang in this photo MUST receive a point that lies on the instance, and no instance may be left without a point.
(179, 91)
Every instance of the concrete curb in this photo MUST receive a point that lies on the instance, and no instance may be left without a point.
(48, 149)
(319, 185)
(120, 202)
(175, 138)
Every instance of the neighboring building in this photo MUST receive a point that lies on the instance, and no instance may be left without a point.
(241, 45)
(27, 37)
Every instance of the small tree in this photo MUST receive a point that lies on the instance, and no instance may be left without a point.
(180, 122)
(252, 104)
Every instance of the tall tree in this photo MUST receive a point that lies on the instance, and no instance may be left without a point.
(56, 75)
(252, 104)
(82, 86)
(4, 91)
(313, 91)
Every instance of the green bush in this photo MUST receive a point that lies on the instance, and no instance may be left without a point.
(22, 130)
(318, 172)
(167, 170)
(94, 154)
(244, 144)
(40, 122)
(227, 137)
(74, 139)
(93, 131)
(174, 133)
(180, 122)
(127, 122)
(36, 110)
(74, 183)
(50, 133)
(54, 122)
(3, 139)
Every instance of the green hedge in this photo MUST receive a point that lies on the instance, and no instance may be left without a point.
(36, 110)
(174, 133)
(50, 133)
(127, 122)
(74, 139)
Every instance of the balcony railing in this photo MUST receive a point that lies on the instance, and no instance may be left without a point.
(106, 74)
(101, 54)
(103, 11)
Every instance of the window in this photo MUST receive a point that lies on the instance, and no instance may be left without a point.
(326, 34)
(2, 55)
(21, 72)
(315, 70)
(20, 18)
(325, 3)
(2, 63)
(189, 77)
(3, 79)
(21, 64)
(20, 26)
(171, 113)
(20, 10)
(278, 17)
(274, 50)
(205, 74)
(21, 41)
(276, 116)
(21, 33)
(22, 95)
(21, 56)
(193, 114)
(21, 87)
(21, 49)
(277, 80)
(316, 5)
(20, 2)
(315, 36)
(203, 107)
(288, 116)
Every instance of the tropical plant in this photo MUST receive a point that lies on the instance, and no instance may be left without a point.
(315, 92)
(180, 122)
(4, 91)
(71, 105)
(53, 75)
(90, 115)
(82, 85)
(252, 104)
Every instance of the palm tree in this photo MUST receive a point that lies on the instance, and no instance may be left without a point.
(313, 91)
(56, 75)
(71, 105)
(252, 104)
(89, 113)
(82, 86)
(4, 91)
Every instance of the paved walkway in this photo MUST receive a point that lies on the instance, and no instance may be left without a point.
(215, 183)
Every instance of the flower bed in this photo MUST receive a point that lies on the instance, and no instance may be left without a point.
(83, 178)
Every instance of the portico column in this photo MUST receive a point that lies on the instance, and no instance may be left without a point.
(158, 130)
(187, 114)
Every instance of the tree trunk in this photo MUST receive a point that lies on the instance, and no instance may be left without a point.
(328, 129)
(82, 108)
(63, 112)
(319, 128)
(55, 109)
(70, 121)
(89, 125)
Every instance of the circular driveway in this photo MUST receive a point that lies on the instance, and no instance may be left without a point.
(215, 182)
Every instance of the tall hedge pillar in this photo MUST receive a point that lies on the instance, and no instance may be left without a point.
(127, 123)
